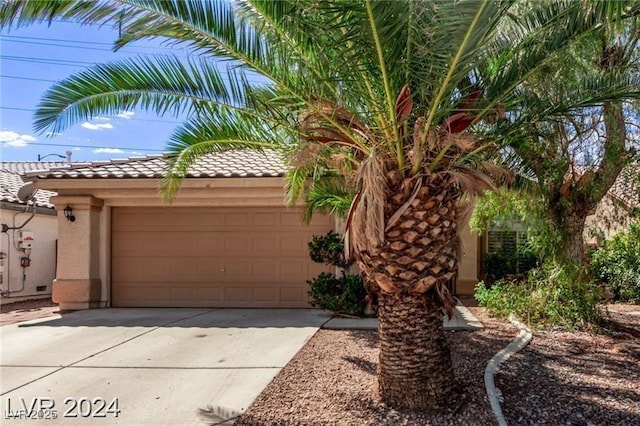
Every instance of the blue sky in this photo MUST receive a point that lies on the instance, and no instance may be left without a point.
(32, 58)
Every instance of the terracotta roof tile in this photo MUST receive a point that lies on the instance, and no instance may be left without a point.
(239, 163)
(10, 184)
(627, 187)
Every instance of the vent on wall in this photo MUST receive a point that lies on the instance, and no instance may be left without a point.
(41, 288)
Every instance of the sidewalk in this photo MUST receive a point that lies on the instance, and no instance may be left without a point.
(462, 320)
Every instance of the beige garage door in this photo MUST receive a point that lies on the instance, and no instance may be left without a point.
(214, 257)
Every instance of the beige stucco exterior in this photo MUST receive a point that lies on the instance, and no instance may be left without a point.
(83, 278)
(468, 269)
(609, 218)
(39, 275)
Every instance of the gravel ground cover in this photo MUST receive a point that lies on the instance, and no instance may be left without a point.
(26, 310)
(561, 378)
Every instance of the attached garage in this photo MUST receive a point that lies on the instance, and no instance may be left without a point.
(227, 239)
(211, 257)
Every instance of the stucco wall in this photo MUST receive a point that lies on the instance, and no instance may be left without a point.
(43, 256)
(609, 218)
(468, 268)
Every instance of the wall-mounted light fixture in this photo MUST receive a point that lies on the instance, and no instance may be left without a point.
(68, 213)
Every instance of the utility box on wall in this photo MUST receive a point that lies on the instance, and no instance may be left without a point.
(26, 239)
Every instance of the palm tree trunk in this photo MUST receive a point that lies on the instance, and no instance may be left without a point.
(409, 273)
(415, 363)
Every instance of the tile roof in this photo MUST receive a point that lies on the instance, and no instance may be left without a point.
(11, 182)
(21, 167)
(627, 187)
(238, 163)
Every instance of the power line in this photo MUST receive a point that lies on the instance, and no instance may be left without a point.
(61, 40)
(89, 146)
(127, 119)
(27, 78)
(98, 48)
(48, 61)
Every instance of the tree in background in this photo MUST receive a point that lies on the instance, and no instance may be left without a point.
(569, 162)
(382, 95)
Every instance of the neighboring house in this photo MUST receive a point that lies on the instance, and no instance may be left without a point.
(28, 243)
(618, 209)
(227, 240)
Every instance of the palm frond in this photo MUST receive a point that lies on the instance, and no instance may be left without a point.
(164, 85)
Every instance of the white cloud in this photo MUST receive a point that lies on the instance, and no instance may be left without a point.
(51, 134)
(91, 126)
(15, 139)
(108, 151)
(125, 114)
(102, 118)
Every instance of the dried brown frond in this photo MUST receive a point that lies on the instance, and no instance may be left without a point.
(306, 155)
(465, 143)
(433, 141)
(416, 154)
(472, 182)
(498, 173)
(367, 221)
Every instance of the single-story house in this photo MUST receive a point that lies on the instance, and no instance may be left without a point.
(227, 240)
(28, 240)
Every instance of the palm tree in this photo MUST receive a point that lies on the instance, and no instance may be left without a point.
(382, 94)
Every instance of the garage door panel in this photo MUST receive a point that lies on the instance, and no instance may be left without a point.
(212, 257)
(147, 269)
(237, 219)
(210, 296)
(293, 295)
(237, 242)
(264, 243)
(207, 220)
(266, 219)
(265, 294)
(184, 294)
(294, 243)
(209, 242)
(237, 295)
(264, 269)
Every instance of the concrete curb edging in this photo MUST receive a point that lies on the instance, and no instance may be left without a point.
(495, 396)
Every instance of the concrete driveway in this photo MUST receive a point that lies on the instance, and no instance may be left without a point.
(146, 366)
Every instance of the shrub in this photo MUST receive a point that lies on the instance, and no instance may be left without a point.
(499, 264)
(341, 294)
(550, 296)
(617, 264)
(328, 249)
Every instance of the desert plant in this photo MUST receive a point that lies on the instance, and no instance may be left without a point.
(550, 296)
(345, 293)
(617, 264)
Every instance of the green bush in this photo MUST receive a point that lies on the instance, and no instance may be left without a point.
(341, 294)
(499, 264)
(550, 296)
(617, 264)
(328, 249)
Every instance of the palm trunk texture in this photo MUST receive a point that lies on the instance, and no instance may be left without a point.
(415, 363)
(410, 273)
